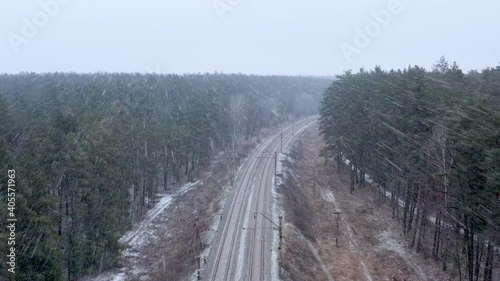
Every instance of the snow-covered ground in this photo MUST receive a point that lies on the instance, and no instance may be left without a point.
(390, 243)
(136, 238)
(329, 197)
(143, 232)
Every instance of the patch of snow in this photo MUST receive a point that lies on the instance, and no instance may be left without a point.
(138, 237)
(329, 197)
(119, 277)
(387, 242)
(277, 211)
(158, 209)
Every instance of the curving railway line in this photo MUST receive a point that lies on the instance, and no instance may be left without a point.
(242, 246)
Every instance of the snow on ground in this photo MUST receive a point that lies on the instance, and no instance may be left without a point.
(277, 206)
(401, 203)
(143, 232)
(386, 239)
(140, 235)
(329, 197)
(119, 277)
(277, 212)
(388, 242)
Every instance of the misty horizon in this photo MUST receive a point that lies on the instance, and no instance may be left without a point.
(249, 37)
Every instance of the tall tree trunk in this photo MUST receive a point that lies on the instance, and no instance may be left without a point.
(478, 258)
(393, 202)
(416, 231)
(352, 171)
(165, 169)
(423, 225)
(384, 190)
(469, 240)
(488, 268)
(406, 207)
(444, 244)
(339, 161)
(398, 193)
(457, 260)
(437, 233)
(411, 214)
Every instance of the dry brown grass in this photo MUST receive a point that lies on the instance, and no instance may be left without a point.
(370, 243)
(173, 256)
(299, 262)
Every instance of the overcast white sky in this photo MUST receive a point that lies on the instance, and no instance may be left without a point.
(254, 36)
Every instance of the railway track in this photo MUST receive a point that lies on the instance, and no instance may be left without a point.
(256, 177)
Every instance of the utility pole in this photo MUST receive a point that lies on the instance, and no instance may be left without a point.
(196, 227)
(280, 229)
(337, 218)
(275, 163)
(281, 143)
(198, 272)
(280, 245)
